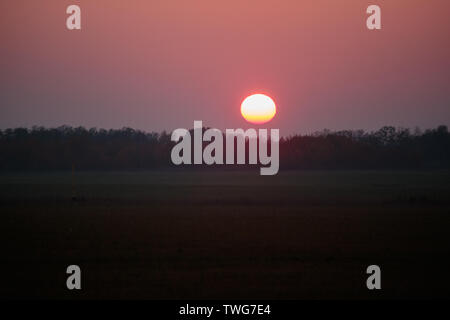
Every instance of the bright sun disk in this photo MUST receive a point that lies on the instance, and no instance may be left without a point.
(258, 108)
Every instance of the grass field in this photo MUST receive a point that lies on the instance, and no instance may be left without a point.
(233, 234)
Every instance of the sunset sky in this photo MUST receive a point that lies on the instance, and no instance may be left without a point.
(160, 65)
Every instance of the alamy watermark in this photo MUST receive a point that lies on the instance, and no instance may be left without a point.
(73, 21)
(258, 143)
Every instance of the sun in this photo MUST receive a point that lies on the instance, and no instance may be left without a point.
(258, 108)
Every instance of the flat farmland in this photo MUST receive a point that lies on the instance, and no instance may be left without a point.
(225, 234)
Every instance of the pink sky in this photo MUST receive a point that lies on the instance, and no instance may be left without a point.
(156, 65)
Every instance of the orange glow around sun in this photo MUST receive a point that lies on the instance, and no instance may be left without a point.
(258, 108)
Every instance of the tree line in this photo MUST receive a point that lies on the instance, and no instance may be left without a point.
(39, 149)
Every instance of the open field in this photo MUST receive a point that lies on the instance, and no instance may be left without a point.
(229, 234)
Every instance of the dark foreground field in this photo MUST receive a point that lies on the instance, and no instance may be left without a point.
(225, 234)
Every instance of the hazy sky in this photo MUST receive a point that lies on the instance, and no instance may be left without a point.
(157, 65)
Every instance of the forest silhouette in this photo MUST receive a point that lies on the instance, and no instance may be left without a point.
(62, 148)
